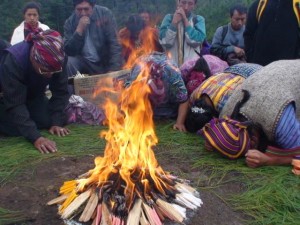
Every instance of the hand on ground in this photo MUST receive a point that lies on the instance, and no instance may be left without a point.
(255, 158)
(59, 131)
(179, 127)
(45, 145)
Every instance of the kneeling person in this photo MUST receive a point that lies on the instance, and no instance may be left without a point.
(26, 69)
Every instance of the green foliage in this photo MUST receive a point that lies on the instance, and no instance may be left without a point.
(55, 12)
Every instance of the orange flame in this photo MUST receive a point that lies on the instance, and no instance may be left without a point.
(130, 141)
(147, 42)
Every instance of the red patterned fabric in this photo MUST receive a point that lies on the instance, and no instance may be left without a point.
(47, 50)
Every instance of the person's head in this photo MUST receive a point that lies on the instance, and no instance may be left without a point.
(198, 74)
(238, 15)
(84, 7)
(46, 54)
(187, 5)
(135, 24)
(31, 13)
(145, 15)
(233, 137)
(200, 113)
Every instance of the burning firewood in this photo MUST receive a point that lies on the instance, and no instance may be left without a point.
(74, 206)
(127, 185)
(135, 213)
(90, 208)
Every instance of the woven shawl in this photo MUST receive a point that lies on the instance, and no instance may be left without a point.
(271, 90)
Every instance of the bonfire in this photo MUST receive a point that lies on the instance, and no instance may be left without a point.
(127, 185)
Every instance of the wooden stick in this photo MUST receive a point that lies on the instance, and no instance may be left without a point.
(99, 214)
(135, 213)
(143, 219)
(79, 201)
(106, 217)
(180, 34)
(58, 200)
(89, 208)
(169, 210)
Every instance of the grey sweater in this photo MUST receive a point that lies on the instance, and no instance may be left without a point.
(271, 90)
(222, 48)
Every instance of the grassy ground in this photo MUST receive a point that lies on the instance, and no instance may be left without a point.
(271, 196)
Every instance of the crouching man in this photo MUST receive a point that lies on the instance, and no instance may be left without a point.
(25, 71)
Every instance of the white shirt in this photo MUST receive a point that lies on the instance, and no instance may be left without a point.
(18, 34)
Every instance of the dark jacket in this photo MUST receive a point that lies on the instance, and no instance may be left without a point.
(103, 31)
(20, 83)
(276, 36)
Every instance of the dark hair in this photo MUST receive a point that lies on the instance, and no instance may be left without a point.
(31, 5)
(241, 9)
(135, 24)
(199, 114)
(143, 10)
(76, 2)
(252, 128)
(202, 66)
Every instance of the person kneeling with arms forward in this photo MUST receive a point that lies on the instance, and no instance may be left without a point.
(25, 71)
(264, 124)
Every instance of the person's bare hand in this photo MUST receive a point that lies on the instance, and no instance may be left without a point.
(59, 131)
(44, 145)
(239, 51)
(177, 17)
(255, 158)
(181, 12)
(179, 127)
(84, 21)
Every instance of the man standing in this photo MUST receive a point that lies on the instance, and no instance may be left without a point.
(182, 32)
(272, 31)
(90, 36)
(228, 41)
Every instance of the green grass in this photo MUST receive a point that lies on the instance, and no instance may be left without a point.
(271, 196)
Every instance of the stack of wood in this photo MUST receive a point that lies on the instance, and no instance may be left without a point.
(111, 203)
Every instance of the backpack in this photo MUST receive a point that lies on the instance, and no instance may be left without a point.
(262, 5)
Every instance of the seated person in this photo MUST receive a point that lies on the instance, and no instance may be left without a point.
(208, 99)
(91, 44)
(31, 13)
(195, 71)
(137, 39)
(228, 41)
(264, 111)
(146, 16)
(182, 32)
(168, 92)
(26, 69)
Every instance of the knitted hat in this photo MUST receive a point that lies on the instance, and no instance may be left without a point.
(226, 136)
(47, 50)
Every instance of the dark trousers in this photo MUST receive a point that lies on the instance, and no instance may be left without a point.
(39, 113)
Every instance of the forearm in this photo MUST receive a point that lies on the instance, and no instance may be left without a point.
(182, 112)
(196, 34)
(167, 32)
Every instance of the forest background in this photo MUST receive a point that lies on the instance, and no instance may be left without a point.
(55, 12)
